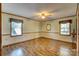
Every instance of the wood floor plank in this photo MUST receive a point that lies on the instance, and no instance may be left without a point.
(40, 47)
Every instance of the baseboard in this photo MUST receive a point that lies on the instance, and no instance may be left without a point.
(60, 40)
(18, 42)
(37, 38)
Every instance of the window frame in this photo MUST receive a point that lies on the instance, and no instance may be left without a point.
(64, 22)
(15, 20)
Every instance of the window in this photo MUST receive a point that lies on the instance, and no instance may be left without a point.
(16, 27)
(65, 27)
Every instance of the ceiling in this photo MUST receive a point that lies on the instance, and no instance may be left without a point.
(30, 9)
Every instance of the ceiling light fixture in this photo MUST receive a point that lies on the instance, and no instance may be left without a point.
(44, 14)
(43, 17)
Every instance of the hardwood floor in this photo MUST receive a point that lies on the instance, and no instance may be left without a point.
(40, 47)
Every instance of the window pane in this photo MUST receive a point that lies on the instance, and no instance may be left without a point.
(67, 25)
(65, 29)
(16, 28)
(62, 25)
(62, 30)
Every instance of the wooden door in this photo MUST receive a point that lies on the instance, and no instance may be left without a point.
(78, 29)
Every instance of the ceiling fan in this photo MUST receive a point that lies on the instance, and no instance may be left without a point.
(43, 15)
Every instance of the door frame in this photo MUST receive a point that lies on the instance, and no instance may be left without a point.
(0, 30)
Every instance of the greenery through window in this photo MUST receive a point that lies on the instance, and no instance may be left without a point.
(16, 27)
(65, 27)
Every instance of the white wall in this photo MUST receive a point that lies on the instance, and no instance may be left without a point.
(54, 32)
(30, 28)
